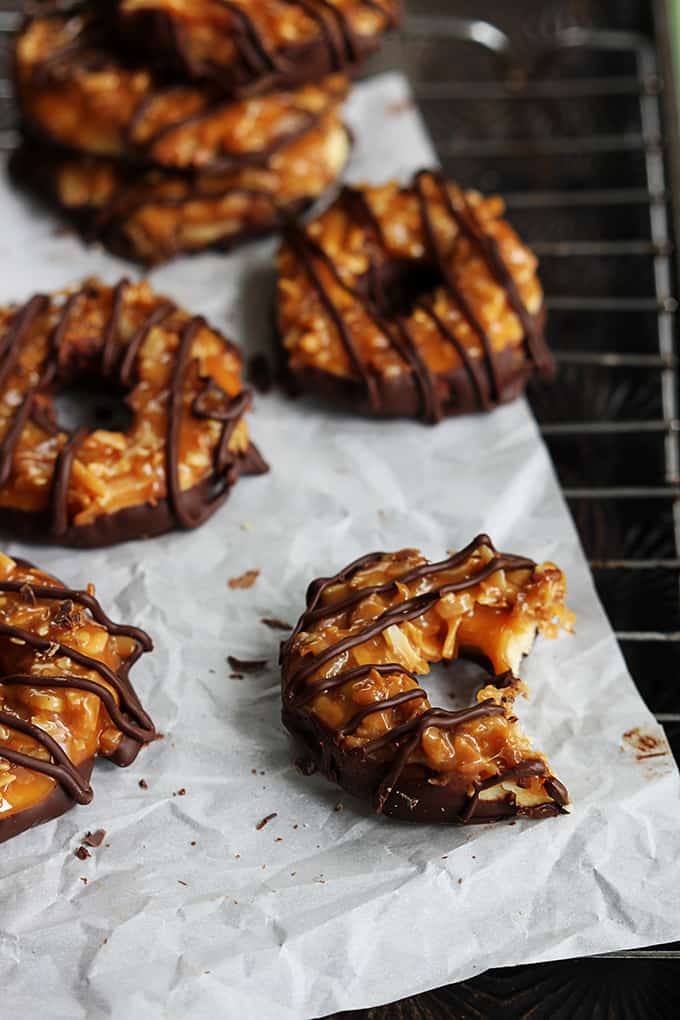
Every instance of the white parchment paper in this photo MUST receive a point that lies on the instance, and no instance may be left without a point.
(190, 911)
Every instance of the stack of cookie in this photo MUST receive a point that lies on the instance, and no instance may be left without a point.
(168, 126)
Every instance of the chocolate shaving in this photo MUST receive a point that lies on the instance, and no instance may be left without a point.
(265, 821)
(246, 665)
(95, 839)
(67, 616)
(274, 624)
(246, 580)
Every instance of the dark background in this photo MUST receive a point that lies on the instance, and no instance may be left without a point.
(564, 139)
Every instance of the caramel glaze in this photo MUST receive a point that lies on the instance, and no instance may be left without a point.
(308, 251)
(297, 693)
(117, 365)
(89, 53)
(125, 711)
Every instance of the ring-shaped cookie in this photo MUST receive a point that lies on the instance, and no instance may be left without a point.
(187, 443)
(151, 216)
(75, 93)
(415, 301)
(353, 701)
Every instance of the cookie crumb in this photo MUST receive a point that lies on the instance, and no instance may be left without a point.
(246, 580)
(264, 821)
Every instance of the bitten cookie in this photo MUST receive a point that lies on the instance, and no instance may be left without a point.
(353, 702)
(248, 46)
(188, 441)
(65, 696)
(415, 301)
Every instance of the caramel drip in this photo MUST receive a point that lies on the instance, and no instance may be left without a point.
(299, 691)
(117, 361)
(126, 712)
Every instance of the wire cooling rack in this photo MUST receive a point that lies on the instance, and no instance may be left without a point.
(567, 107)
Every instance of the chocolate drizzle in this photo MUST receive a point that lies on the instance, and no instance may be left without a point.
(487, 393)
(117, 363)
(300, 690)
(114, 690)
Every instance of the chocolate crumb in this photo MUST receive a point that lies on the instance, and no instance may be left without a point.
(181, 792)
(246, 665)
(264, 821)
(181, 882)
(275, 624)
(143, 785)
(83, 880)
(95, 839)
(253, 772)
(279, 839)
(66, 616)
(246, 580)
(260, 373)
(81, 853)
(193, 842)
(460, 881)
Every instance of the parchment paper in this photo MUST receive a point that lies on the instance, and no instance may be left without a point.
(322, 909)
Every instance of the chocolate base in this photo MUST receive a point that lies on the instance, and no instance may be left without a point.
(400, 396)
(59, 801)
(414, 797)
(147, 520)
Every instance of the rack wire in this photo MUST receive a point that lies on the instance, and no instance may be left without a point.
(576, 133)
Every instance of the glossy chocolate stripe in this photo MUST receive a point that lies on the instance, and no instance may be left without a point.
(328, 683)
(119, 718)
(379, 706)
(62, 769)
(57, 648)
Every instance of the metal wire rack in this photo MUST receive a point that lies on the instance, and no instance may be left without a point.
(566, 107)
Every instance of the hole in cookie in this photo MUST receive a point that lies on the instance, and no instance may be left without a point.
(396, 287)
(84, 403)
(455, 684)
